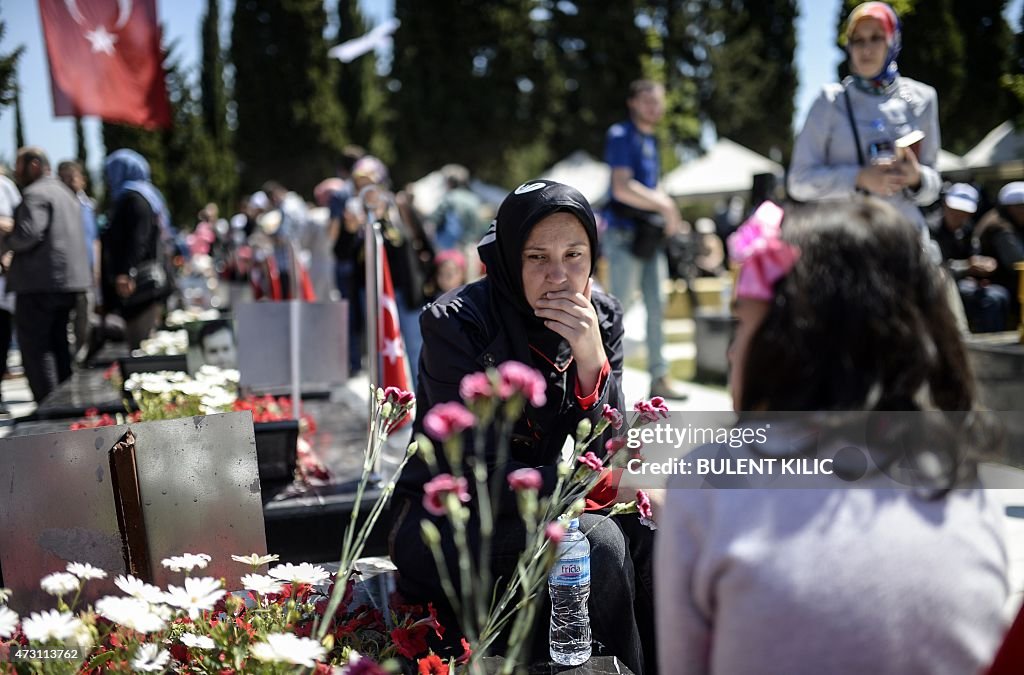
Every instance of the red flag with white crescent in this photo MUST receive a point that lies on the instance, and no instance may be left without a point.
(105, 60)
(394, 367)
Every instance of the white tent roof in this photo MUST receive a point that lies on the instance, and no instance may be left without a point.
(584, 173)
(1002, 144)
(428, 191)
(947, 161)
(727, 167)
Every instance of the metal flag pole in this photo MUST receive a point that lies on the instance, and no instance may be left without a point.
(374, 244)
(294, 334)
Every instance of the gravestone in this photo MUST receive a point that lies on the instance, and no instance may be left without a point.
(169, 487)
(264, 334)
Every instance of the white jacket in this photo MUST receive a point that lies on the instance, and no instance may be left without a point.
(825, 164)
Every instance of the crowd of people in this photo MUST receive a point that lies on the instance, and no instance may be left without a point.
(857, 304)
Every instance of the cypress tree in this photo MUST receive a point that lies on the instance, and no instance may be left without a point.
(361, 89)
(19, 130)
(8, 71)
(81, 152)
(464, 84)
(751, 93)
(597, 51)
(290, 124)
(222, 180)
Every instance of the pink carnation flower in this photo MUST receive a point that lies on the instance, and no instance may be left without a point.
(613, 416)
(475, 386)
(525, 479)
(439, 487)
(399, 397)
(591, 460)
(615, 444)
(518, 378)
(643, 507)
(651, 410)
(554, 533)
(447, 419)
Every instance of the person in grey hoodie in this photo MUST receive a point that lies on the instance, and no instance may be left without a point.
(49, 270)
(848, 143)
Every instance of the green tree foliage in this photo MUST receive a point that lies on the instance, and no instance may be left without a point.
(222, 182)
(595, 52)
(290, 123)
(677, 56)
(464, 80)
(361, 90)
(8, 72)
(749, 97)
(1013, 80)
(19, 129)
(988, 54)
(509, 87)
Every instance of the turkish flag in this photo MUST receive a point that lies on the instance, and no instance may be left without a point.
(394, 371)
(105, 60)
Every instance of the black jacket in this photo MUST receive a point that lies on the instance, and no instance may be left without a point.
(462, 335)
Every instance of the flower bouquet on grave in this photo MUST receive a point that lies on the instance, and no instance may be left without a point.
(292, 618)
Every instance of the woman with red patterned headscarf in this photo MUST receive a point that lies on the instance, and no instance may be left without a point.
(877, 131)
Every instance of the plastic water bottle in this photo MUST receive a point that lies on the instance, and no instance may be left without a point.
(569, 587)
(881, 150)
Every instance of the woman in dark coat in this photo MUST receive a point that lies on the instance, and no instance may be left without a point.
(131, 246)
(536, 306)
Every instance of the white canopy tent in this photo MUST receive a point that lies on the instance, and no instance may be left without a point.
(586, 174)
(947, 162)
(1002, 145)
(428, 191)
(726, 169)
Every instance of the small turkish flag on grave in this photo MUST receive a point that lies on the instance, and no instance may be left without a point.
(394, 368)
(105, 60)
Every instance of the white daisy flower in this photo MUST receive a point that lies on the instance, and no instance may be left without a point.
(263, 585)
(8, 622)
(50, 625)
(197, 641)
(130, 612)
(149, 658)
(199, 594)
(83, 637)
(86, 571)
(255, 559)
(288, 648)
(60, 583)
(186, 562)
(303, 573)
(5, 594)
(137, 588)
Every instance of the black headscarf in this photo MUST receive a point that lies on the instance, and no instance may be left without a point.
(501, 250)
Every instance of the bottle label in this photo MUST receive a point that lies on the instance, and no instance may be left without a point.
(570, 572)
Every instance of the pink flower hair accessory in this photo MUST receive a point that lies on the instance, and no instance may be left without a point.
(757, 245)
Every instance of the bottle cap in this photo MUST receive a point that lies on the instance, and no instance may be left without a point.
(574, 524)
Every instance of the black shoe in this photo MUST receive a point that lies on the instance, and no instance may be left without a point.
(664, 388)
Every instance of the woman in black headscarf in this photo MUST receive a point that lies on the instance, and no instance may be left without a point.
(536, 306)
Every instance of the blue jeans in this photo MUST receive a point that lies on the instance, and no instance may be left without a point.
(987, 307)
(624, 268)
(352, 291)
